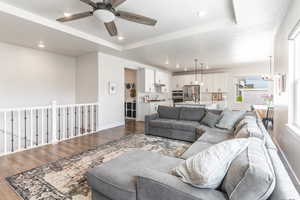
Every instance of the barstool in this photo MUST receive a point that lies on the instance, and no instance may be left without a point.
(269, 117)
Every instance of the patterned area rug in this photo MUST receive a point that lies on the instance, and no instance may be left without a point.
(65, 179)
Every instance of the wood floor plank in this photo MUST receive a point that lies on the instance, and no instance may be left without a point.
(22, 161)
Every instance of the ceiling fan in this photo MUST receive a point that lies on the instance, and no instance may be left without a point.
(106, 12)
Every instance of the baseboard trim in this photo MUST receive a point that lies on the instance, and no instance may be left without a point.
(288, 167)
(111, 125)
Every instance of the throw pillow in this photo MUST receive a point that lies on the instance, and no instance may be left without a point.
(229, 119)
(251, 129)
(210, 119)
(251, 174)
(208, 168)
(243, 122)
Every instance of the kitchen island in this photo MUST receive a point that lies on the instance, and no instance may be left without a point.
(202, 104)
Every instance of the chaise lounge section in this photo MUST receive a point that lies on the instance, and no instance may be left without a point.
(141, 175)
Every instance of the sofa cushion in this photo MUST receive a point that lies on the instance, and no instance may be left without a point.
(206, 129)
(229, 119)
(167, 112)
(250, 175)
(162, 123)
(210, 119)
(174, 124)
(214, 137)
(192, 114)
(156, 185)
(196, 148)
(116, 179)
(208, 168)
(185, 125)
(174, 134)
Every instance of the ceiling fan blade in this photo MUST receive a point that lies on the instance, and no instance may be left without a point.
(136, 18)
(116, 3)
(90, 2)
(111, 28)
(75, 16)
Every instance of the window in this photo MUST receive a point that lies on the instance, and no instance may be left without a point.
(294, 77)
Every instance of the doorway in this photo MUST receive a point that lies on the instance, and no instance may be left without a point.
(130, 94)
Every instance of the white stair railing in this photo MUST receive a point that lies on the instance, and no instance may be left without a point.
(26, 128)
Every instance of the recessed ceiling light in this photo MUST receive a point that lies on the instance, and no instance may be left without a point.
(41, 45)
(121, 38)
(185, 69)
(201, 13)
(207, 67)
(177, 66)
(167, 62)
(66, 14)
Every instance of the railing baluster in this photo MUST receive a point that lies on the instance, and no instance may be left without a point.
(95, 117)
(72, 129)
(63, 123)
(58, 124)
(5, 133)
(25, 129)
(92, 118)
(68, 122)
(79, 121)
(42, 125)
(37, 127)
(47, 116)
(86, 119)
(19, 130)
(75, 122)
(12, 131)
(82, 118)
(31, 127)
(89, 118)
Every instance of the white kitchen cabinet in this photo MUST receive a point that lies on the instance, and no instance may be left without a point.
(220, 82)
(189, 79)
(177, 82)
(159, 77)
(208, 81)
(215, 82)
(164, 79)
(147, 80)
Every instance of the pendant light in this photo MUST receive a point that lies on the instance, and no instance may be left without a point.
(196, 82)
(202, 83)
(268, 77)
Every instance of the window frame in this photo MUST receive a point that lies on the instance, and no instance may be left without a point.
(293, 81)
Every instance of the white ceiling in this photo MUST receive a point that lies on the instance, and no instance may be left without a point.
(233, 31)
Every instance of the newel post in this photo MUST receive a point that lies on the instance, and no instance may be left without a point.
(54, 121)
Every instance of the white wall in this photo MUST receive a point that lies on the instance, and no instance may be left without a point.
(111, 69)
(87, 78)
(288, 141)
(30, 77)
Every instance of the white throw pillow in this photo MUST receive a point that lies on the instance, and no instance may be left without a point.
(208, 168)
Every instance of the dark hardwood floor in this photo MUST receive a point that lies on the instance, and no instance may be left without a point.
(18, 162)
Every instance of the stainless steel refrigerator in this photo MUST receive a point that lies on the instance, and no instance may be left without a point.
(191, 93)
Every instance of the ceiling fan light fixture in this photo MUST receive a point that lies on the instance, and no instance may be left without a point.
(121, 38)
(104, 15)
(67, 14)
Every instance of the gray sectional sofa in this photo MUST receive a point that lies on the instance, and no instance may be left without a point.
(141, 175)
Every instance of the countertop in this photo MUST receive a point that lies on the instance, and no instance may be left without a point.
(206, 104)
